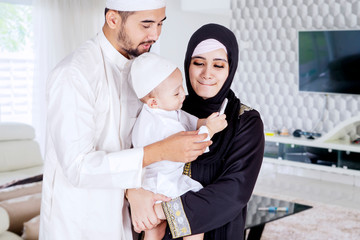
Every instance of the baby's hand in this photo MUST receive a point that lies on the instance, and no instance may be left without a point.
(216, 123)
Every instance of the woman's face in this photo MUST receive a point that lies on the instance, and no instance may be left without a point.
(208, 72)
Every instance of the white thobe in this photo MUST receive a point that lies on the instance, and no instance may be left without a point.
(154, 125)
(88, 162)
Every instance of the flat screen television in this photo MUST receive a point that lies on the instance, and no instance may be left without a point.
(329, 61)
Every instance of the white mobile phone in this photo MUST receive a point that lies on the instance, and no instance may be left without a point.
(223, 106)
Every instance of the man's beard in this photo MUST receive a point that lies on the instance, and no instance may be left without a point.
(134, 52)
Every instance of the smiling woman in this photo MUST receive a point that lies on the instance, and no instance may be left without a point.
(229, 170)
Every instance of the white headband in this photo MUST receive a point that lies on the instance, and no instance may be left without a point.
(134, 5)
(148, 71)
(208, 45)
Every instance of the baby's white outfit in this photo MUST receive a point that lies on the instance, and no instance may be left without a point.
(153, 125)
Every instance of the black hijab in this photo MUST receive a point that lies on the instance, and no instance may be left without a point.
(203, 108)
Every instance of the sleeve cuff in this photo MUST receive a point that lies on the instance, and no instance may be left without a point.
(176, 217)
(126, 167)
(204, 129)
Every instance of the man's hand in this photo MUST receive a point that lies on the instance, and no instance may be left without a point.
(143, 215)
(180, 147)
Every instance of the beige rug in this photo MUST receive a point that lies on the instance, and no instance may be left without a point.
(322, 222)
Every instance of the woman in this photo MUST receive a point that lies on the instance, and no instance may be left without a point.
(229, 171)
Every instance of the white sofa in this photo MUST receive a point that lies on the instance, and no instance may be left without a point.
(20, 155)
(21, 165)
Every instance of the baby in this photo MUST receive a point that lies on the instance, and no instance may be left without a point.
(159, 85)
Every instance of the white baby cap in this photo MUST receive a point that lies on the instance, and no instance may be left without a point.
(148, 71)
(134, 5)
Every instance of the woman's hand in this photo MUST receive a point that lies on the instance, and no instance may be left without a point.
(143, 215)
(159, 211)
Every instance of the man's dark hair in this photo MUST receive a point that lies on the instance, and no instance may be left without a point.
(123, 14)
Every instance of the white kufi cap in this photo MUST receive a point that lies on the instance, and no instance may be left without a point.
(134, 5)
(148, 71)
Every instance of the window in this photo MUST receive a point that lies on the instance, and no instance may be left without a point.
(16, 62)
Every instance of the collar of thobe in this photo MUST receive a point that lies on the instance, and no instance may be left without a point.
(110, 52)
(175, 115)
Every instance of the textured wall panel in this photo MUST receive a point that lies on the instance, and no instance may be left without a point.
(267, 77)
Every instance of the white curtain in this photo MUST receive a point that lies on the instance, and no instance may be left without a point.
(60, 26)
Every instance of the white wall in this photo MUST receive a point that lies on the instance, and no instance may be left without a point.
(268, 68)
(267, 74)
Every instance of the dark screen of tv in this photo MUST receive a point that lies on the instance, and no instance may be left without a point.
(329, 61)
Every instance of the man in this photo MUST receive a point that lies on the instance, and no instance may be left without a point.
(91, 111)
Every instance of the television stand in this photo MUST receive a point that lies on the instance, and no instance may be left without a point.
(333, 149)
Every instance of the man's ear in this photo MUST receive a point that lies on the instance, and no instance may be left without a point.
(113, 19)
(151, 102)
